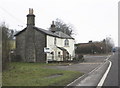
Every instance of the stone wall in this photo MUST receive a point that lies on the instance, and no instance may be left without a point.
(20, 46)
(30, 45)
(40, 43)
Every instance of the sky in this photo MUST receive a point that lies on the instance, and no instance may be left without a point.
(91, 19)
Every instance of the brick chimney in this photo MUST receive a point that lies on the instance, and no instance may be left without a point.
(53, 27)
(30, 18)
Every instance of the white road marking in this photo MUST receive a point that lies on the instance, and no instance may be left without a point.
(99, 66)
(92, 63)
(108, 57)
(83, 75)
(104, 76)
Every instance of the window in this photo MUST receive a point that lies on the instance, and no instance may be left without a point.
(66, 42)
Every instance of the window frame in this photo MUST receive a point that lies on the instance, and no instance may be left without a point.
(66, 42)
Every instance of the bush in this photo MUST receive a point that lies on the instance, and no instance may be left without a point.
(78, 58)
(16, 58)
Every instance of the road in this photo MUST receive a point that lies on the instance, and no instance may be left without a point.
(90, 63)
(94, 68)
(94, 78)
(112, 77)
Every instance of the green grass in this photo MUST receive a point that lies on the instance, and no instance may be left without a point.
(34, 74)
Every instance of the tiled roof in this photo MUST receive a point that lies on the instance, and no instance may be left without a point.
(58, 34)
(63, 35)
(20, 32)
(45, 31)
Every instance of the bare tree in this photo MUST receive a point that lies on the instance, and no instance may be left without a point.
(65, 28)
(6, 36)
(109, 44)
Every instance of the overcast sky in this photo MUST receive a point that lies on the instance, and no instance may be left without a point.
(92, 19)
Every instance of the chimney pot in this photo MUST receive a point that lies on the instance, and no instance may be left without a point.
(53, 27)
(30, 18)
(30, 11)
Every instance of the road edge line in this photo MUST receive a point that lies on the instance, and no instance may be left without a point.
(100, 65)
(83, 75)
(105, 74)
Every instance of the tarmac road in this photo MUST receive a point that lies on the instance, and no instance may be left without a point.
(112, 77)
(97, 76)
(90, 63)
(94, 68)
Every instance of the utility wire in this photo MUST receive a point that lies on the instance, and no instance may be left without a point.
(15, 18)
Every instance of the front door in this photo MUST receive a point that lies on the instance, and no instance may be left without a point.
(65, 55)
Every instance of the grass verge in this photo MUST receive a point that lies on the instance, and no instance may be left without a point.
(34, 74)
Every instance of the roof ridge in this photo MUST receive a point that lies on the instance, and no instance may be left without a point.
(47, 32)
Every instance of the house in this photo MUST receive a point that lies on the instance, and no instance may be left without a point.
(35, 44)
(95, 47)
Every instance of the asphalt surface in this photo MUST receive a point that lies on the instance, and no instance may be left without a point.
(90, 63)
(112, 77)
(91, 79)
(94, 68)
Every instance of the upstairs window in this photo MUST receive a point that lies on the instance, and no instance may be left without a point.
(66, 42)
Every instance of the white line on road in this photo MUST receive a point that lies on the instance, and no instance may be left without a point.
(83, 75)
(104, 76)
(98, 67)
(108, 57)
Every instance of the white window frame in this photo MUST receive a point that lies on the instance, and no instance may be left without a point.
(66, 42)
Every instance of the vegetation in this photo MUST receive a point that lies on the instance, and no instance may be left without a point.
(78, 58)
(7, 44)
(62, 26)
(36, 74)
(101, 47)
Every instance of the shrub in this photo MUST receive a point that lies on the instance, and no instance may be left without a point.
(16, 58)
(78, 58)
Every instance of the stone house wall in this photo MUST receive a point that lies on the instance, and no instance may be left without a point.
(20, 47)
(40, 43)
(30, 45)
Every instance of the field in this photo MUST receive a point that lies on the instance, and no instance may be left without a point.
(35, 74)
